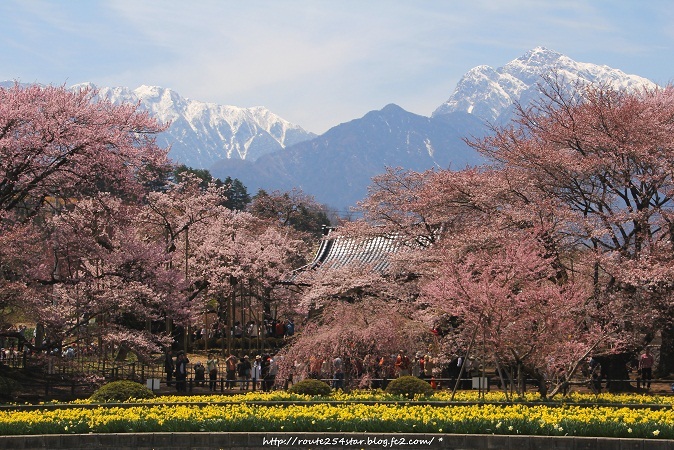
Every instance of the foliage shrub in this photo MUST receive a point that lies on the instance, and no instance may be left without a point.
(409, 387)
(121, 391)
(310, 387)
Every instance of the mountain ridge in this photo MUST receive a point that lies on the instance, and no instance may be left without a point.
(202, 133)
(265, 151)
(337, 166)
(491, 93)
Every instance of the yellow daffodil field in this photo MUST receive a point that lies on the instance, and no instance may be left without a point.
(438, 396)
(576, 415)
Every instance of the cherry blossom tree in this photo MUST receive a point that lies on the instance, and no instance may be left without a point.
(224, 254)
(55, 143)
(58, 150)
(606, 158)
(355, 313)
(238, 245)
(169, 215)
(586, 172)
(102, 274)
(507, 300)
(172, 216)
(292, 209)
(235, 252)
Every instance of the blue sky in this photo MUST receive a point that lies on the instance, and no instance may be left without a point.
(320, 63)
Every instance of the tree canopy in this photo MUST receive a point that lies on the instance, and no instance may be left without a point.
(99, 246)
(561, 247)
(235, 193)
(292, 209)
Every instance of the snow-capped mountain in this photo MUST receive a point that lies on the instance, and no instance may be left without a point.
(202, 133)
(265, 151)
(338, 166)
(491, 93)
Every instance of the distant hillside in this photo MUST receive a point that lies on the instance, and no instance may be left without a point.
(337, 166)
(265, 151)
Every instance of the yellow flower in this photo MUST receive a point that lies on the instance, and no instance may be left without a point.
(656, 432)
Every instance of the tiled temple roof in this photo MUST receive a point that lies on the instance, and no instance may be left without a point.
(340, 251)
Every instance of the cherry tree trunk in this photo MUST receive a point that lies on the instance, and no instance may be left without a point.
(614, 373)
(666, 363)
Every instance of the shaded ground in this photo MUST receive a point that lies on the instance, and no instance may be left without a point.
(34, 385)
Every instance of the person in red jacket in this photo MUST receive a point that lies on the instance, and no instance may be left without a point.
(402, 364)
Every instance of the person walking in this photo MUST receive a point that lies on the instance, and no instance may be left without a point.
(181, 372)
(402, 364)
(273, 370)
(256, 372)
(338, 373)
(243, 369)
(212, 367)
(646, 362)
(429, 365)
(230, 368)
(169, 367)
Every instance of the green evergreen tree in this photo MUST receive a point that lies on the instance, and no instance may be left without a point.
(236, 194)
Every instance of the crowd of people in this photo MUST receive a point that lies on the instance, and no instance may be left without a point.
(273, 328)
(260, 372)
(240, 373)
(376, 371)
(9, 354)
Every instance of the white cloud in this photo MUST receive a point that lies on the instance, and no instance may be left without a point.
(320, 62)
